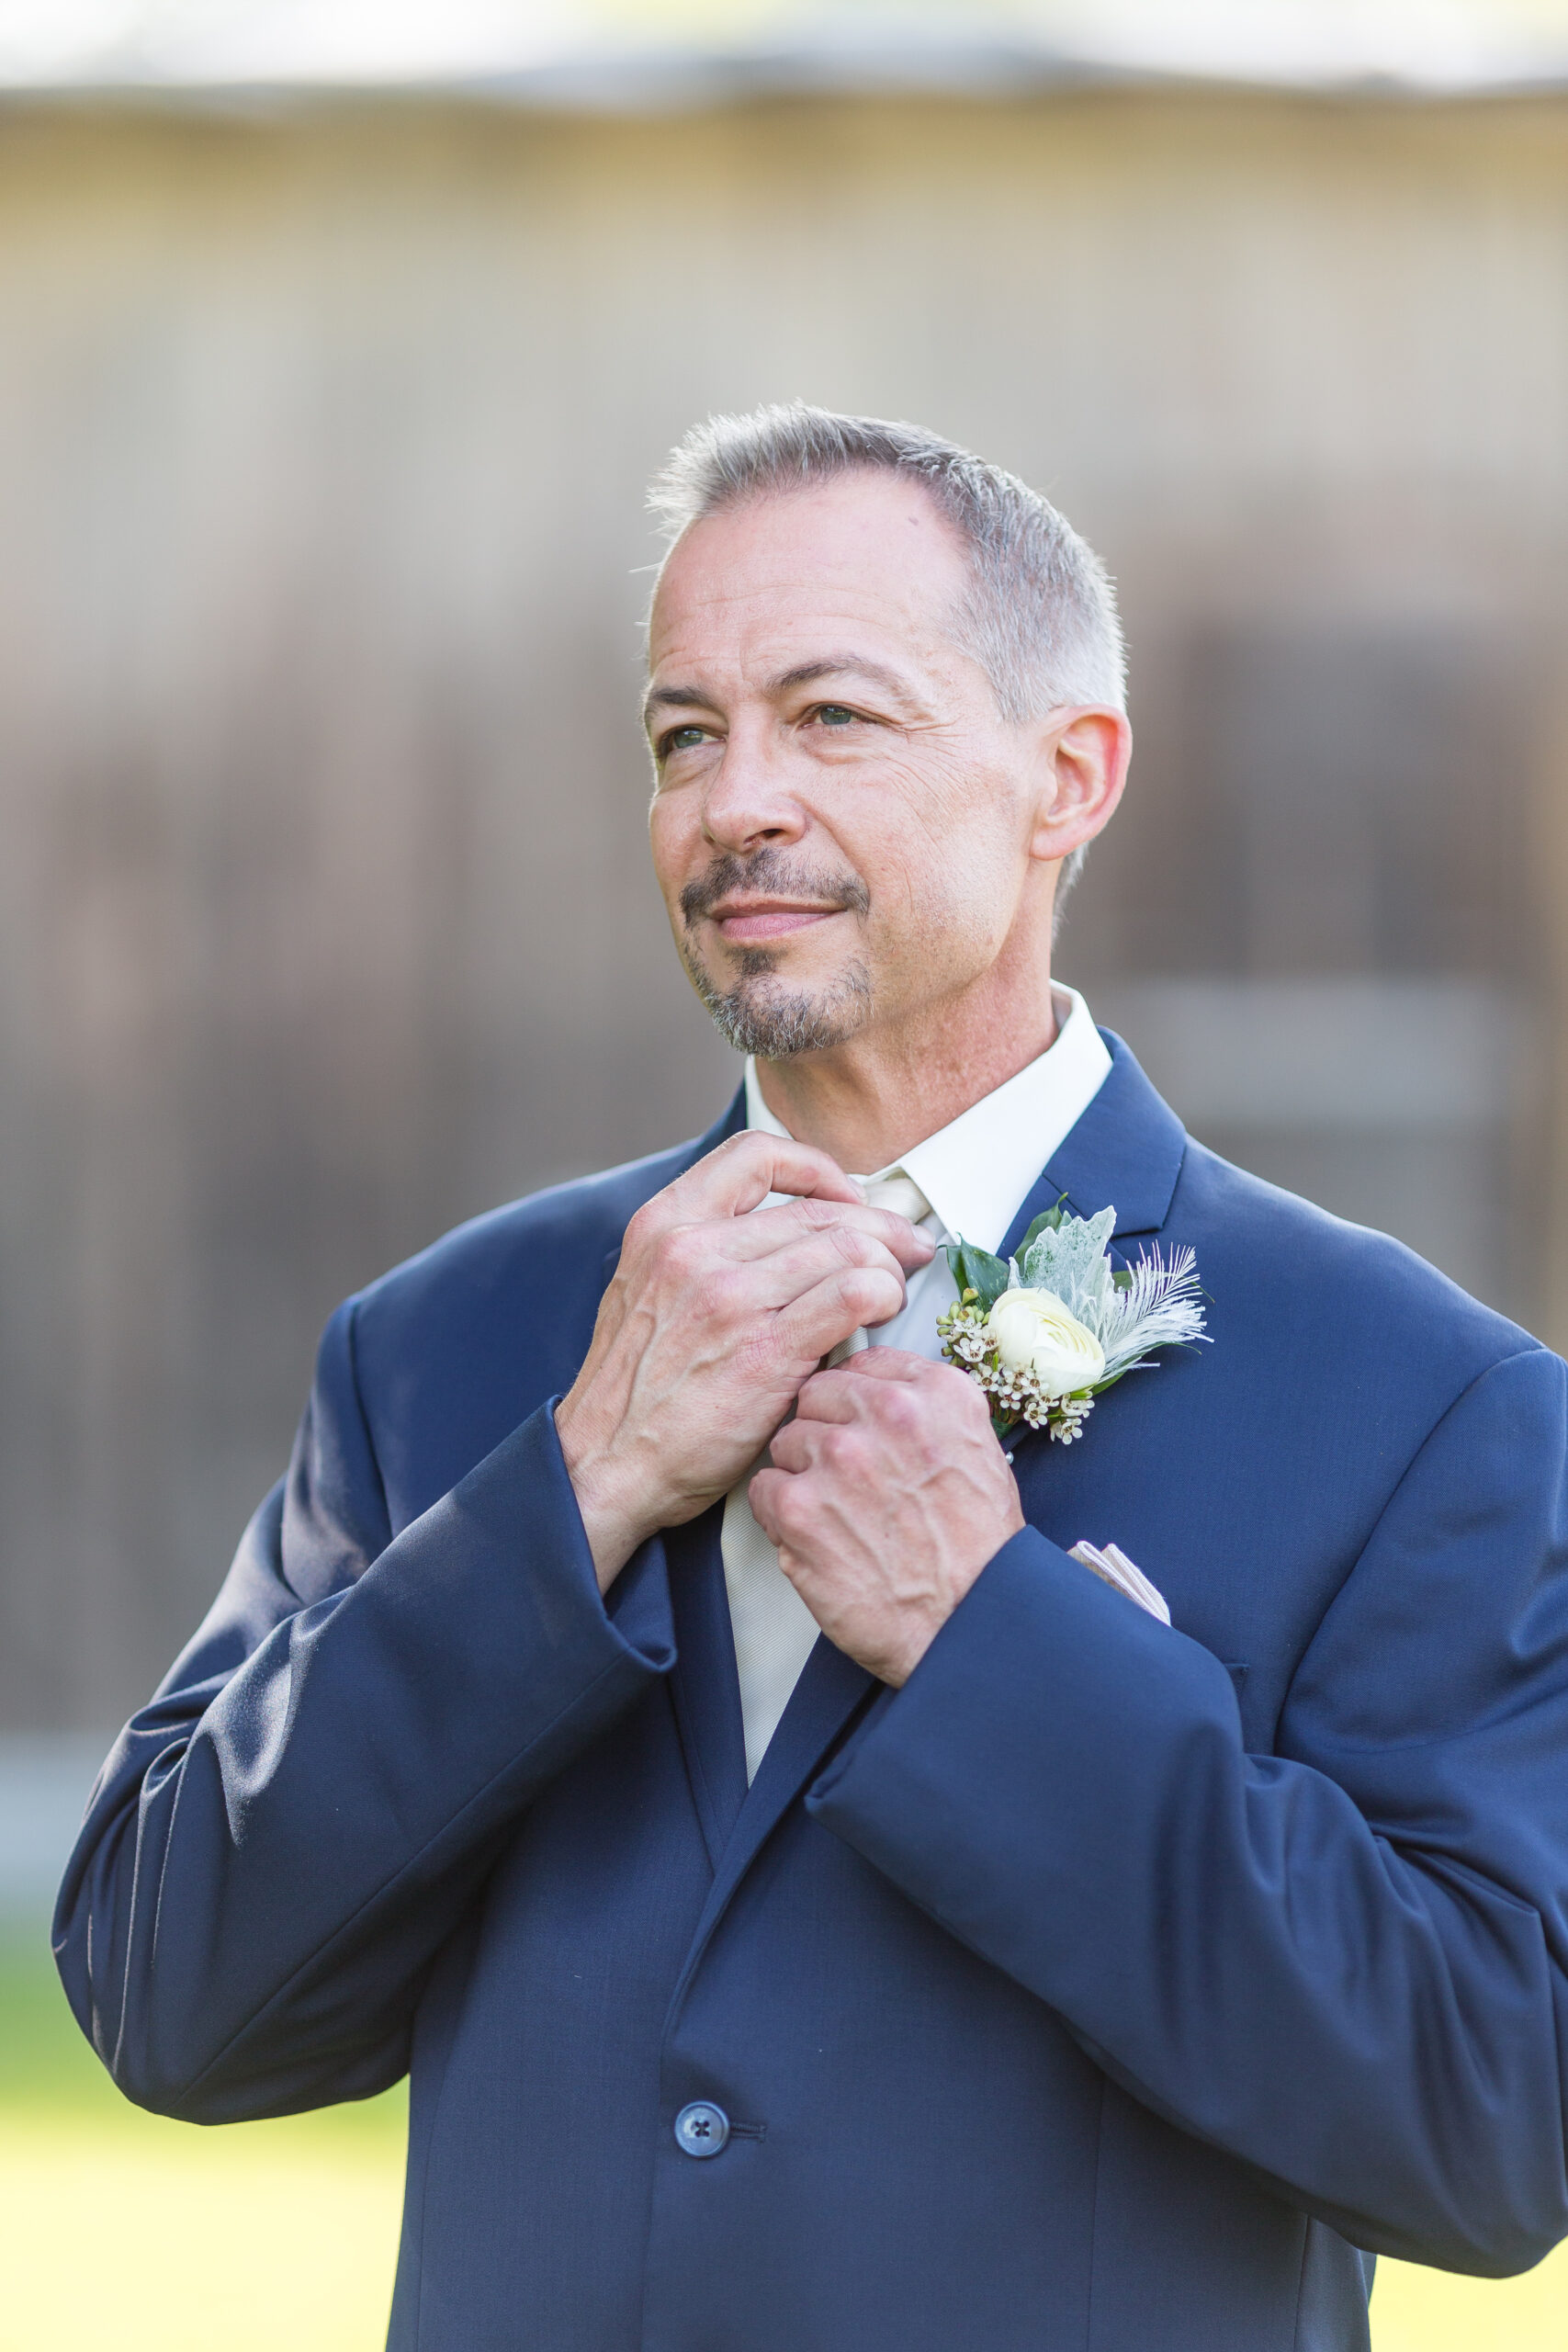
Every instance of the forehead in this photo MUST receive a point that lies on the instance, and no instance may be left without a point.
(767, 576)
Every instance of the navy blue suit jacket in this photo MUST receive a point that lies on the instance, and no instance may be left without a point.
(1108, 1986)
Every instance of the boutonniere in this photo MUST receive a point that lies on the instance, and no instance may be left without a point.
(1046, 1332)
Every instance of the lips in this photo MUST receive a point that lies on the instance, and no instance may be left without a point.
(752, 900)
(755, 921)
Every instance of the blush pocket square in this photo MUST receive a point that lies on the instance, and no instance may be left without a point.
(1110, 1564)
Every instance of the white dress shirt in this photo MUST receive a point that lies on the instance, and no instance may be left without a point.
(976, 1173)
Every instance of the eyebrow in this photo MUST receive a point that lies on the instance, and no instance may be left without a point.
(841, 665)
(677, 698)
(806, 673)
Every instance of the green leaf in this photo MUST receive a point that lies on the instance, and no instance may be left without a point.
(977, 1269)
(1123, 1281)
(1048, 1221)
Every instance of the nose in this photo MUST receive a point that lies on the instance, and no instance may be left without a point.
(748, 803)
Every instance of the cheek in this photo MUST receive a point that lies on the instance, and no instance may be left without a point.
(959, 889)
(962, 832)
(674, 838)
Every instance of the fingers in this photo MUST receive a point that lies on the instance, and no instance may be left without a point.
(813, 1325)
(838, 1274)
(741, 1173)
(841, 1395)
(695, 1284)
(763, 1495)
(795, 1447)
(777, 1280)
(897, 1364)
(748, 1238)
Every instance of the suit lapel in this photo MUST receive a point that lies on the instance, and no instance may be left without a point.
(831, 1687)
(1126, 1148)
(704, 1684)
(1125, 1151)
(830, 1694)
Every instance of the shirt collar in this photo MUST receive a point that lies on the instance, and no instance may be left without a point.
(977, 1171)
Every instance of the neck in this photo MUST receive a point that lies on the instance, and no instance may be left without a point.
(871, 1099)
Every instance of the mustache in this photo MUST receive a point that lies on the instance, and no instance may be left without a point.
(771, 870)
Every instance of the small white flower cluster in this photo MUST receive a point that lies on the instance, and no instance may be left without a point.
(1043, 1339)
(1016, 1395)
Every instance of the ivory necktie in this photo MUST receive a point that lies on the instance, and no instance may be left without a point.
(896, 1192)
(774, 1631)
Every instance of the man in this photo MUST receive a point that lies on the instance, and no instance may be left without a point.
(816, 1915)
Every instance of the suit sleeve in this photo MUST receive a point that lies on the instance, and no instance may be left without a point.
(281, 1841)
(1343, 1963)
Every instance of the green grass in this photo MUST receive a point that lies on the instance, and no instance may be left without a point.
(125, 2231)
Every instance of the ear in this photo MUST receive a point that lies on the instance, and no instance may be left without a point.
(1082, 770)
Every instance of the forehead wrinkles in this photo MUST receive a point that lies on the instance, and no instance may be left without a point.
(761, 570)
(746, 643)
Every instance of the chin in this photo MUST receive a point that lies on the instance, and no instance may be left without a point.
(777, 1016)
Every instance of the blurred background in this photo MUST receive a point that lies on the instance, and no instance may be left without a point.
(340, 341)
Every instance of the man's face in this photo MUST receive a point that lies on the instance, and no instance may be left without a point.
(842, 820)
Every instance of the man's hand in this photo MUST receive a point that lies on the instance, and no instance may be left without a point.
(887, 1495)
(714, 1320)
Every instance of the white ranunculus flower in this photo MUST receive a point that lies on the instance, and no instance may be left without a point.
(1033, 1332)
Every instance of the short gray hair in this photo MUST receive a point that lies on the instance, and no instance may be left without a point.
(1040, 616)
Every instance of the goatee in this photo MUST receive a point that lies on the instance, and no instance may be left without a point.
(759, 1013)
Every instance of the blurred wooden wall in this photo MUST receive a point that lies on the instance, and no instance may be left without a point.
(323, 913)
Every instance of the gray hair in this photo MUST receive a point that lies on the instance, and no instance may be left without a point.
(1040, 616)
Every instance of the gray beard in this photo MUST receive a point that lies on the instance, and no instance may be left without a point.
(760, 1016)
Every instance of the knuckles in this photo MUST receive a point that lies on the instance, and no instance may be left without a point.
(871, 1292)
(858, 1249)
(788, 1509)
(681, 1253)
(900, 1411)
(808, 1211)
(718, 1295)
(643, 1227)
(763, 1494)
(841, 1452)
(750, 1146)
(788, 1448)
(933, 1408)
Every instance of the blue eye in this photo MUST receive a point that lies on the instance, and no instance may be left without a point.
(683, 738)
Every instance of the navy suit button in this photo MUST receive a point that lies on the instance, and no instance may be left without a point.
(701, 2129)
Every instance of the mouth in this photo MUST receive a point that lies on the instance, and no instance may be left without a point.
(743, 920)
